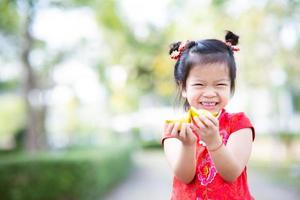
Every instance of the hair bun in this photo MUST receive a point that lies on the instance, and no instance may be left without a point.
(231, 38)
(174, 47)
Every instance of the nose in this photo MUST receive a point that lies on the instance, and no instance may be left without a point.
(209, 93)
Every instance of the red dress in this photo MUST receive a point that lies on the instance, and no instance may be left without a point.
(207, 183)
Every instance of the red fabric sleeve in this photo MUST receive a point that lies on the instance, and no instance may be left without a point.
(239, 121)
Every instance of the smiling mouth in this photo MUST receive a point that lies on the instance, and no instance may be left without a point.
(208, 104)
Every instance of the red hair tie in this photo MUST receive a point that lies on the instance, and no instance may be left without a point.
(177, 53)
(233, 48)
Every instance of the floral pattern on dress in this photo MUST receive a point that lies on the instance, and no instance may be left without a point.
(224, 136)
(206, 171)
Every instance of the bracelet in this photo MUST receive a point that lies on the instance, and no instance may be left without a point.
(216, 149)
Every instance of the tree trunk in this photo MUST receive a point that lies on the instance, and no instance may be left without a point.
(35, 111)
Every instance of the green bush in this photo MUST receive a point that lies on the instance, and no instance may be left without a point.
(79, 175)
(151, 144)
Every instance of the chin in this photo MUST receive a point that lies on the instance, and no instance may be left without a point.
(211, 109)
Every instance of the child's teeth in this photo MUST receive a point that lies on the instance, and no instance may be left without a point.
(208, 103)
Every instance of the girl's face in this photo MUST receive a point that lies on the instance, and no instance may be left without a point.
(208, 87)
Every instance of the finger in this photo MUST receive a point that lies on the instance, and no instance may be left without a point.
(182, 132)
(196, 130)
(199, 123)
(213, 119)
(168, 127)
(206, 122)
(189, 132)
(175, 129)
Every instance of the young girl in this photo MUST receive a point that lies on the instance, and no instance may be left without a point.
(208, 156)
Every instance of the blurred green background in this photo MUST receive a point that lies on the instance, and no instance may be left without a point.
(85, 76)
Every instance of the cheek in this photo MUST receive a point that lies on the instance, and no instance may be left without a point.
(225, 100)
(226, 95)
(192, 94)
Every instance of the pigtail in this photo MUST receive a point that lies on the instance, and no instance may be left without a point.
(231, 40)
(177, 48)
(174, 47)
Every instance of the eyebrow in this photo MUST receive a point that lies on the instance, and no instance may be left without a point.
(219, 80)
(224, 79)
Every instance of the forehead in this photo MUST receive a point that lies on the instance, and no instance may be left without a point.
(213, 71)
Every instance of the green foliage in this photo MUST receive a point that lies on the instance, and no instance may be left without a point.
(8, 85)
(151, 144)
(218, 3)
(108, 15)
(79, 175)
(12, 116)
(296, 101)
(71, 3)
(9, 17)
(288, 137)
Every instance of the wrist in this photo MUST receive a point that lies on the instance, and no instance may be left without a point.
(191, 144)
(215, 146)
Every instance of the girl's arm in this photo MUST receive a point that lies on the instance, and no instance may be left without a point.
(180, 151)
(230, 160)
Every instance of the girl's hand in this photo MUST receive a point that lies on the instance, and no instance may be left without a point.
(184, 134)
(207, 127)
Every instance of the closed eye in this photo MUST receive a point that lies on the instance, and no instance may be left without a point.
(198, 84)
(222, 84)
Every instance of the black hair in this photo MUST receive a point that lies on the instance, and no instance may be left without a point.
(201, 52)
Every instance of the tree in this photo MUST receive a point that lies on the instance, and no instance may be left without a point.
(16, 21)
(143, 59)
